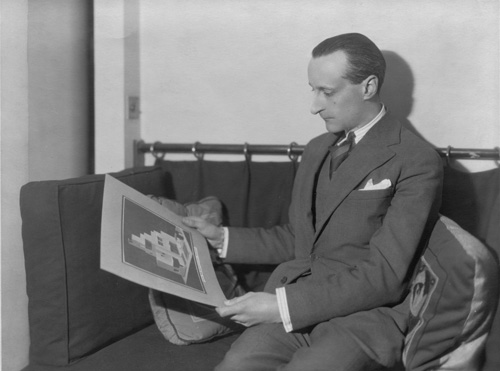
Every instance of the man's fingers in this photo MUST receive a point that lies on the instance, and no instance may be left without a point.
(240, 319)
(229, 310)
(193, 221)
(234, 306)
(237, 299)
(224, 311)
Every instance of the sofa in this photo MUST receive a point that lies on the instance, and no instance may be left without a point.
(84, 318)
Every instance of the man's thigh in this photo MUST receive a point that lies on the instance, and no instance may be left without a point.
(329, 346)
(369, 340)
(263, 347)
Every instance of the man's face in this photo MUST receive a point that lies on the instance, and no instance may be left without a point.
(335, 99)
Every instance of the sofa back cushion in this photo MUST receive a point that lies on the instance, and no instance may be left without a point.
(75, 308)
(253, 194)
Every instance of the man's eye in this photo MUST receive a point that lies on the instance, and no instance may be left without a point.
(328, 93)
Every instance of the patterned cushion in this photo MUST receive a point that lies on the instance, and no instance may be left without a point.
(452, 302)
(184, 322)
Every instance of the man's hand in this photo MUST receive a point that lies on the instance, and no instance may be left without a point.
(214, 234)
(251, 309)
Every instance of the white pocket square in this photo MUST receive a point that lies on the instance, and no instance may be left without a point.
(369, 186)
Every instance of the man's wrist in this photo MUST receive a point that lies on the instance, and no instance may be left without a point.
(222, 251)
(218, 242)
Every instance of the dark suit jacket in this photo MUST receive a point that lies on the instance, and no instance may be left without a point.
(361, 253)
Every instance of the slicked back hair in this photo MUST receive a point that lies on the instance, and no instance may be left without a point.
(364, 57)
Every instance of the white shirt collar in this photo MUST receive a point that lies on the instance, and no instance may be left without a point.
(360, 132)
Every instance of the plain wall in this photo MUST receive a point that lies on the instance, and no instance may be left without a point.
(14, 173)
(60, 87)
(117, 77)
(46, 105)
(235, 71)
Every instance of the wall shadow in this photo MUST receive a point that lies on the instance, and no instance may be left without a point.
(397, 90)
(397, 93)
(461, 201)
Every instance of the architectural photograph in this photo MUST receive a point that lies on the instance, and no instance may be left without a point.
(166, 252)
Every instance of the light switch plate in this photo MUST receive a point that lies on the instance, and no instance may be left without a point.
(134, 108)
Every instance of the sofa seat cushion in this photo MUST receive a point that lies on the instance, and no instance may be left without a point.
(147, 350)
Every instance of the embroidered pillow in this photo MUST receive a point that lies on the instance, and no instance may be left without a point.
(182, 321)
(452, 302)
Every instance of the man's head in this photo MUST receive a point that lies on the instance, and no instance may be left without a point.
(346, 73)
(364, 56)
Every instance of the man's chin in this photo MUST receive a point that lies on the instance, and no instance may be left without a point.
(332, 127)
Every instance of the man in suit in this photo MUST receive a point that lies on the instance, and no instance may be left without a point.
(355, 233)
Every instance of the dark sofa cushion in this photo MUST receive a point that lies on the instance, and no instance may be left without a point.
(147, 350)
(243, 187)
(74, 307)
(254, 194)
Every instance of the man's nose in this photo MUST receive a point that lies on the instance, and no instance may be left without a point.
(316, 105)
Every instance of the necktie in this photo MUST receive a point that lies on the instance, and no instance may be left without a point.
(340, 152)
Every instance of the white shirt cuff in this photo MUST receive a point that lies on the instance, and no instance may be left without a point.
(283, 307)
(223, 250)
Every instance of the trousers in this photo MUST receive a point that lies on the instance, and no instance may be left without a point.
(328, 346)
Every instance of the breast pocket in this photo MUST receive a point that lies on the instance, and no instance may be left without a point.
(363, 212)
(374, 194)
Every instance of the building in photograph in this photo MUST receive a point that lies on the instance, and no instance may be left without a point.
(170, 250)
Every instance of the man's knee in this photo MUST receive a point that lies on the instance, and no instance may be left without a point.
(263, 347)
(231, 362)
(374, 334)
(331, 348)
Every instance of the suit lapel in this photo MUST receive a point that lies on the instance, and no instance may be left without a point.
(371, 152)
(311, 167)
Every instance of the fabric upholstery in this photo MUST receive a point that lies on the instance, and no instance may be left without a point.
(452, 302)
(147, 350)
(473, 201)
(82, 318)
(243, 187)
(183, 322)
(74, 307)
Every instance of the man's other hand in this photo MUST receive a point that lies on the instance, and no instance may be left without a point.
(251, 309)
(213, 233)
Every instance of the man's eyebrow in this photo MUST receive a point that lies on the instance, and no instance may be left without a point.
(322, 87)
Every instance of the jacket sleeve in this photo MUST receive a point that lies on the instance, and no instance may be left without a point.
(260, 246)
(267, 246)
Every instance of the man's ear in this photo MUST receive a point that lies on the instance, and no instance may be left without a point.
(370, 86)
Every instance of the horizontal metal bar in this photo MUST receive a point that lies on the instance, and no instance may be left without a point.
(200, 148)
(470, 153)
(292, 149)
